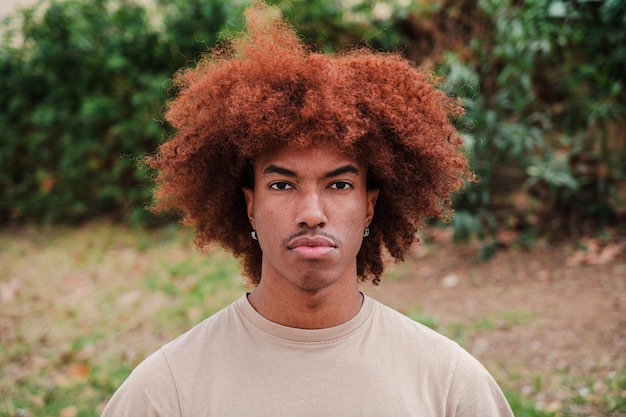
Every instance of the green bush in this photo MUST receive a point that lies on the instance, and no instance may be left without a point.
(329, 25)
(542, 91)
(83, 83)
(82, 87)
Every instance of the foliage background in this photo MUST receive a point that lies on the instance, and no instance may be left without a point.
(82, 85)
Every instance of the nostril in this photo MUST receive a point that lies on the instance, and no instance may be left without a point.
(307, 225)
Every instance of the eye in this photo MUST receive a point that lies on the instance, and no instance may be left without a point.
(341, 185)
(281, 186)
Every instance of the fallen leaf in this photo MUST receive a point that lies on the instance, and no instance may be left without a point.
(71, 411)
(78, 371)
(609, 253)
(9, 291)
(129, 298)
(507, 237)
(450, 281)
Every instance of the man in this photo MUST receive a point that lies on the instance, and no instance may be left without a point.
(312, 169)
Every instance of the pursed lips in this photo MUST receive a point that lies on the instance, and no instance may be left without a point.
(312, 246)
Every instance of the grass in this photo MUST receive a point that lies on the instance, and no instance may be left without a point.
(79, 308)
(577, 395)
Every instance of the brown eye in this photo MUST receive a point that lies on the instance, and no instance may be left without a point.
(281, 186)
(341, 185)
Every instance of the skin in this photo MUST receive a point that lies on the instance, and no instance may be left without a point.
(309, 207)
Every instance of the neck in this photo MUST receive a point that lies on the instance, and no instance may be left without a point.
(307, 309)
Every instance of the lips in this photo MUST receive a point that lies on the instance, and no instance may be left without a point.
(312, 246)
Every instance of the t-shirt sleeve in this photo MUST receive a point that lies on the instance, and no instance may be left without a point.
(149, 391)
(474, 392)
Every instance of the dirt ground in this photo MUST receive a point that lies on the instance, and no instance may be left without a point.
(553, 314)
(548, 322)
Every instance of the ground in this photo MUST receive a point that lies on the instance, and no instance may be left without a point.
(82, 306)
(551, 320)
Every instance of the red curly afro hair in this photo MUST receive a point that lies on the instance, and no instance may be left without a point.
(267, 90)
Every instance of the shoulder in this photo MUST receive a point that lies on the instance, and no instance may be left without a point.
(154, 385)
(418, 348)
(149, 391)
(217, 323)
(471, 390)
(399, 326)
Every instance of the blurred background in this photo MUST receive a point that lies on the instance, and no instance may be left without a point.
(83, 85)
(82, 89)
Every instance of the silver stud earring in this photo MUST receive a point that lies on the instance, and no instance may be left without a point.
(366, 233)
(253, 234)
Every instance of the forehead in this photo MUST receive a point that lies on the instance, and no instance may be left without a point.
(306, 159)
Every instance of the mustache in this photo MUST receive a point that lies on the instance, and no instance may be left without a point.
(336, 241)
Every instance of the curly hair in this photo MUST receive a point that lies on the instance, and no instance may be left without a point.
(266, 90)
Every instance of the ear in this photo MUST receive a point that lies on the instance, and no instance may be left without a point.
(249, 194)
(372, 196)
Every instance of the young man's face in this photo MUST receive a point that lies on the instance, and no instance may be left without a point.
(309, 207)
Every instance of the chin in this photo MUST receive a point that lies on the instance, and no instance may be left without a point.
(316, 280)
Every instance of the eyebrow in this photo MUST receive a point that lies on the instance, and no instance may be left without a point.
(345, 169)
(275, 169)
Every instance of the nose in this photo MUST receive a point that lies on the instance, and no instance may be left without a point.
(310, 210)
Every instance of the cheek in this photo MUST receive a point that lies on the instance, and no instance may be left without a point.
(353, 225)
(269, 223)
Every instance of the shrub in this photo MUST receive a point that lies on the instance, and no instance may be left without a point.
(542, 92)
(83, 84)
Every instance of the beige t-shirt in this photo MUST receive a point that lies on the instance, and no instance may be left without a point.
(380, 363)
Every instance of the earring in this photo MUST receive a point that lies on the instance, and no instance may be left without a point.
(366, 233)
(253, 234)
